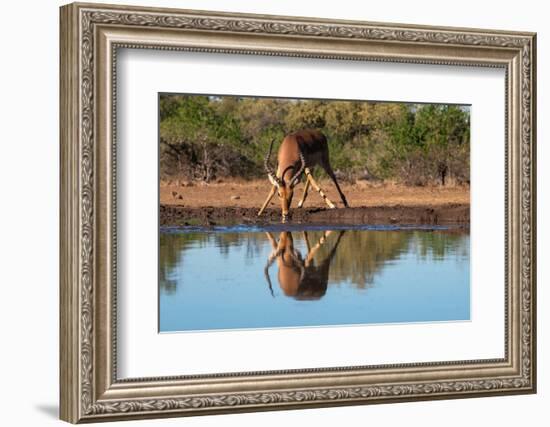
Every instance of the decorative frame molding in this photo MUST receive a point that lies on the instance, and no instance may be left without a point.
(90, 36)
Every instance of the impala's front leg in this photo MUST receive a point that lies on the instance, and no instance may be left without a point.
(306, 187)
(311, 251)
(316, 186)
(269, 197)
(270, 259)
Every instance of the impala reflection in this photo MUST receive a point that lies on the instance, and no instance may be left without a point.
(301, 277)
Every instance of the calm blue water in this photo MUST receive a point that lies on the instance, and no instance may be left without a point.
(231, 278)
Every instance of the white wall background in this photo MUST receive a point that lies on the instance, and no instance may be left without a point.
(29, 171)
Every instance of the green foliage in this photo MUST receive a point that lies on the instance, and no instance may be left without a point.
(428, 143)
(198, 142)
(204, 138)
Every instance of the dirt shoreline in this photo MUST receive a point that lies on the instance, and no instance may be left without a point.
(208, 216)
(237, 202)
(251, 194)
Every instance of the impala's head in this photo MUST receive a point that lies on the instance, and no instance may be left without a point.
(286, 180)
(285, 189)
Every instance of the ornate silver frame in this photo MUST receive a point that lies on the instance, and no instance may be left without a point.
(90, 36)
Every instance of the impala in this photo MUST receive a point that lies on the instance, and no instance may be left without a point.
(298, 154)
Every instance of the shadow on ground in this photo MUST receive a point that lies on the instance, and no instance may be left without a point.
(50, 410)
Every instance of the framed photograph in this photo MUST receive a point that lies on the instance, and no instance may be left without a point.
(267, 212)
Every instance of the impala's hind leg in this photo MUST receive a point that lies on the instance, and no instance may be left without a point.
(330, 173)
(316, 186)
(269, 197)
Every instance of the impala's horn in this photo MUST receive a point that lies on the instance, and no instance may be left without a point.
(297, 175)
(272, 177)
